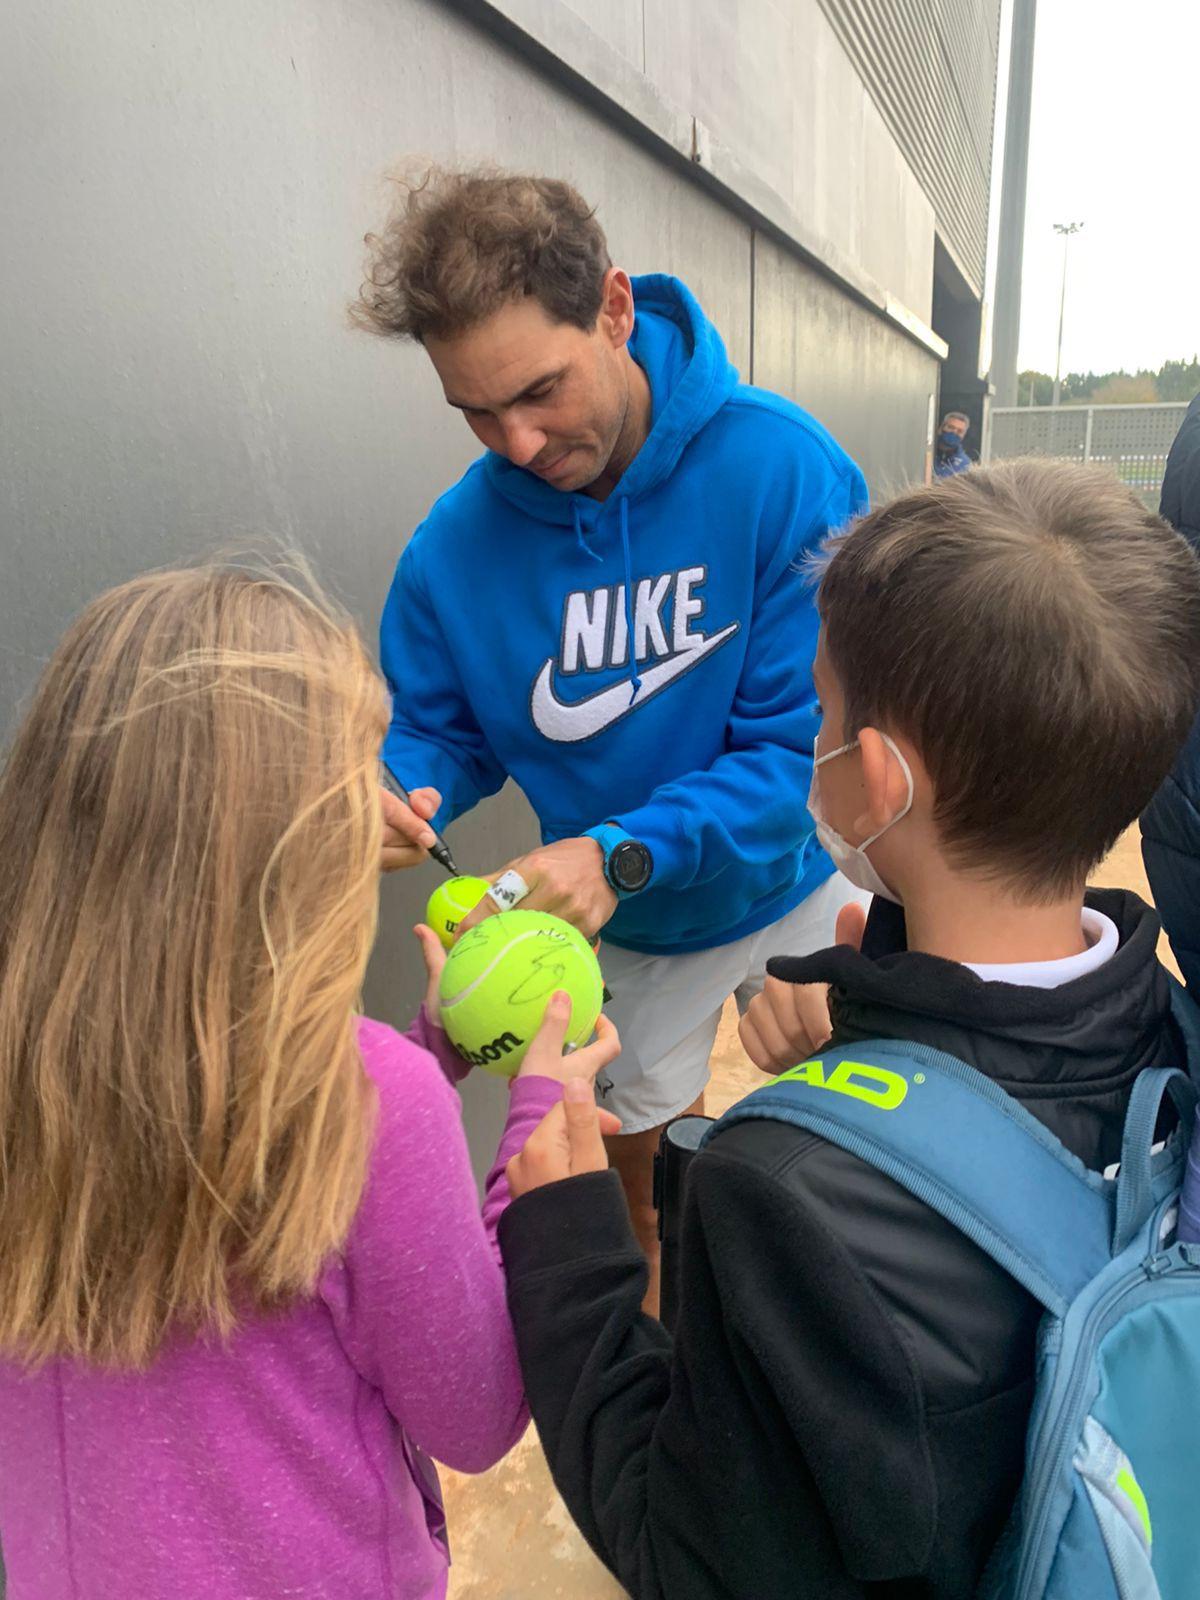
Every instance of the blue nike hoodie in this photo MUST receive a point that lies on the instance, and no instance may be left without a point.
(506, 641)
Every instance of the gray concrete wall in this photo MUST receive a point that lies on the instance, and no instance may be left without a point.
(816, 343)
(774, 86)
(185, 192)
(809, 129)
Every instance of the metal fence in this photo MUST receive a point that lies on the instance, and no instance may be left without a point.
(1134, 440)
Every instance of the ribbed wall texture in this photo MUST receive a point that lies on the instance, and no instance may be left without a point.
(930, 67)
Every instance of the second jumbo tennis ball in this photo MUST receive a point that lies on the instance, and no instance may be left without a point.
(498, 980)
(449, 904)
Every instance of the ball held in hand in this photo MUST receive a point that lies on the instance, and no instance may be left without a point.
(449, 904)
(498, 980)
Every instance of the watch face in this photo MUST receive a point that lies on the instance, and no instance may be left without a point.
(630, 864)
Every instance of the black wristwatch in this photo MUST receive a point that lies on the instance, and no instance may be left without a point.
(628, 864)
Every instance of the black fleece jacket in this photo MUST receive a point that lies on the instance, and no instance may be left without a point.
(842, 1411)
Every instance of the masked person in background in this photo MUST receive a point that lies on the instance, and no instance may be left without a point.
(949, 458)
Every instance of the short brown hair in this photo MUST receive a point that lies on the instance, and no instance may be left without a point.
(1035, 632)
(459, 245)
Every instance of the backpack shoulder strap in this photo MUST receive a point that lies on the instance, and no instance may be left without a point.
(1185, 1013)
(959, 1143)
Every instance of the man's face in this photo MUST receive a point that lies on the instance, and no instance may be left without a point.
(548, 396)
(958, 425)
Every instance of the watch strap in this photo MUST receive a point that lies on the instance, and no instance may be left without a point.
(608, 836)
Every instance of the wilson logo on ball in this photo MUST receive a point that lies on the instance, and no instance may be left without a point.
(490, 1052)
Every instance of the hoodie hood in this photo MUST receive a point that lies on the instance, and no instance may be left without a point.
(1095, 1030)
(690, 379)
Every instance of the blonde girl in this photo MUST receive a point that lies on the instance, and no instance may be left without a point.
(245, 1285)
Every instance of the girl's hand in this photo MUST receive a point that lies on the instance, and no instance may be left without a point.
(567, 1141)
(545, 1059)
(434, 957)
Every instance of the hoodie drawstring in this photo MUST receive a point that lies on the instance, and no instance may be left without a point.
(579, 539)
(634, 677)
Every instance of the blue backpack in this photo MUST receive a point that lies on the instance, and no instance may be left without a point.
(1110, 1504)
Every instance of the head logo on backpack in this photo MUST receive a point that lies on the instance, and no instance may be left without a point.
(861, 1080)
(1107, 1509)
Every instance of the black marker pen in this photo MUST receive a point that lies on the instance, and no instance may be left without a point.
(439, 849)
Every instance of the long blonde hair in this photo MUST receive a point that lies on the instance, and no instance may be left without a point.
(189, 837)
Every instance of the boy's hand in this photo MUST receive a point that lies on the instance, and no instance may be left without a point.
(789, 1022)
(406, 831)
(434, 957)
(567, 1141)
(545, 1059)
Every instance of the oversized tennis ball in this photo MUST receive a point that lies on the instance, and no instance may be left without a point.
(498, 980)
(449, 904)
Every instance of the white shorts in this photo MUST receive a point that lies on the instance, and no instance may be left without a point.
(667, 1008)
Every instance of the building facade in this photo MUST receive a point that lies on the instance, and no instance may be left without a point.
(186, 190)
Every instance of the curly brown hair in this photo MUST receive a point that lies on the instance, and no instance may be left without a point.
(459, 245)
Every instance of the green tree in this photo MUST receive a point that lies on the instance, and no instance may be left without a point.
(1079, 388)
(1174, 381)
(1179, 380)
(1034, 388)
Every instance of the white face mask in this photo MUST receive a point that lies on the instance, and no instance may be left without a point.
(852, 860)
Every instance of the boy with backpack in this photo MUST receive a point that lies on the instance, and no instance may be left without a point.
(1009, 663)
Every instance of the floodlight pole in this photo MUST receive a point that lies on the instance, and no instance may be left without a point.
(1066, 229)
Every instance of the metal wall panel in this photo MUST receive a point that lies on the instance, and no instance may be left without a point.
(618, 22)
(830, 354)
(930, 67)
(808, 127)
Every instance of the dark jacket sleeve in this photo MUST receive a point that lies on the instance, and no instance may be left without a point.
(776, 1449)
(1171, 823)
(1171, 851)
(1180, 502)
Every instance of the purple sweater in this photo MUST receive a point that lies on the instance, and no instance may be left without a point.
(290, 1462)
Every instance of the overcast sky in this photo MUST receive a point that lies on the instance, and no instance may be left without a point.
(1115, 144)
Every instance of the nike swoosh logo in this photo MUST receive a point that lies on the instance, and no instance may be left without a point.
(568, 722)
